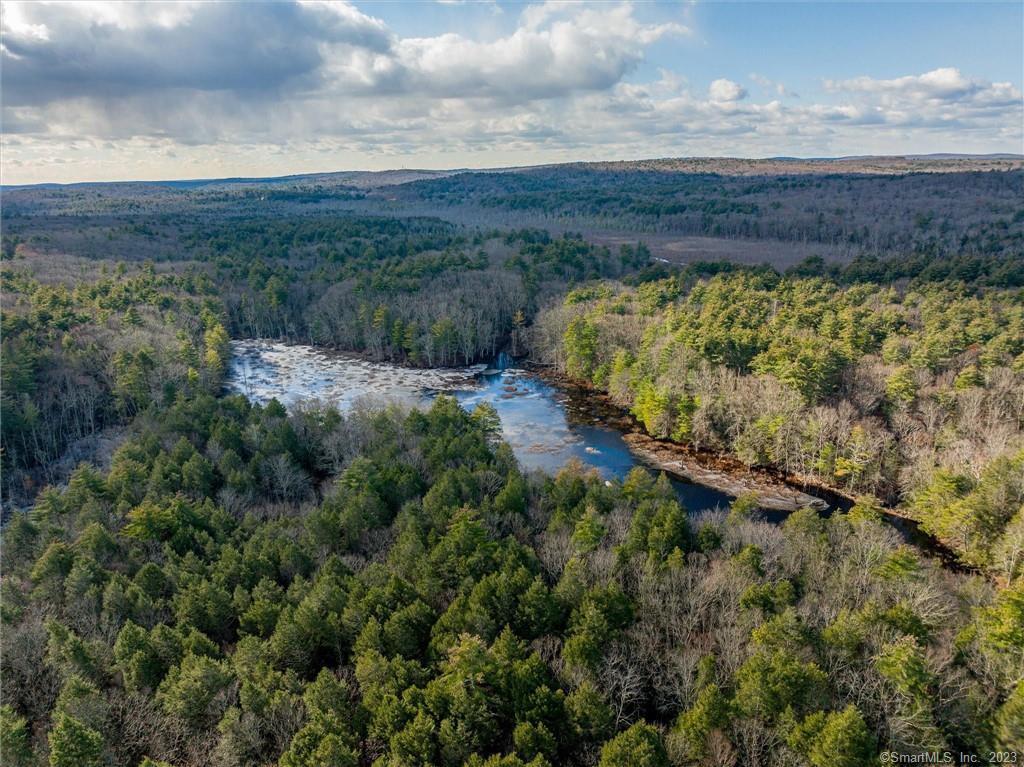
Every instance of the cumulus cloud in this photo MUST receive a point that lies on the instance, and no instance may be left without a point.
(942, 98)
(57, 52)
(942, 84)
(116, 50)
(90, 82)
(723, 91)
(557, 50)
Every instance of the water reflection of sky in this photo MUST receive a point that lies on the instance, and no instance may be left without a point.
(534, 422)
(533, 414)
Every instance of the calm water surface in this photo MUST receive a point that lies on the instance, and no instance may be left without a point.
(534, 418)
(536, 423)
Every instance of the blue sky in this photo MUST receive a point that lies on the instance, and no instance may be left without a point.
(804, 42)
(792, 40)
(104, 91)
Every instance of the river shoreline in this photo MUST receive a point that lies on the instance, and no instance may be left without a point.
(548, 419)
(776, 490)
(677, 461)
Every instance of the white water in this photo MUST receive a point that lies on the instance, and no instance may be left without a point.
(534, 420)
(265, 370)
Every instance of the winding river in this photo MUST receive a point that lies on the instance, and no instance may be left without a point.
(537, 419)
(545, 424)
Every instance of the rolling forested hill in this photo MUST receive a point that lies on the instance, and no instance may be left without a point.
(189, 578)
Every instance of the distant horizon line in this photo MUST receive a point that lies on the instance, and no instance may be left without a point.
(206, 181)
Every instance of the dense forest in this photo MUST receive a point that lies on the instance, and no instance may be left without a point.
(925, 212)
(835, 209)
(190, 578)
(80, 359)
(915, 394)
(431, 605)
(417, 291)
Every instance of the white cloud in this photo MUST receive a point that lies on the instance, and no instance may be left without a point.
(723, 91)
(324, 83)
(105, 51)
(942, 98)
(944, 83)
(946, 92)
(557, 50)
(100, 51)
(16, 23)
